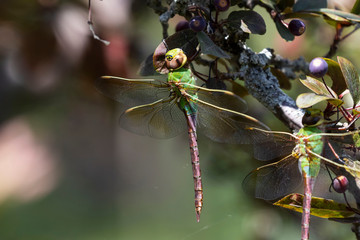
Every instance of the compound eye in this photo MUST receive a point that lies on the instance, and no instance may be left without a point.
(175, 59)
(312, 117)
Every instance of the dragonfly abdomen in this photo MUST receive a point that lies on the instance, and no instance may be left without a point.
(195, 162)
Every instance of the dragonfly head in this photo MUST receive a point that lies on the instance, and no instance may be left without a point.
(312, 117)
(175, 59)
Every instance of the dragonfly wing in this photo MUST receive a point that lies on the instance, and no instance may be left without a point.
(271, 145)
(132, 92)
(275, 180)
(340, 153)
(219, 98)
(228, 126)
(223, 125)
(161, 119)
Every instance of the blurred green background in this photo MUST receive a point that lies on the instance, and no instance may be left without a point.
(68, 171)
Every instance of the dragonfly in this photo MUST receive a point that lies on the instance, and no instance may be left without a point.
(303, 158)
(165, 109)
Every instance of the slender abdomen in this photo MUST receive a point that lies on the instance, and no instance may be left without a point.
(305, 221)
(195, 162)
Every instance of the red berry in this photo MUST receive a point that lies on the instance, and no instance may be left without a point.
(318, 67)
(340, 184)
(297, 27)
(222, 5)
(197, 24)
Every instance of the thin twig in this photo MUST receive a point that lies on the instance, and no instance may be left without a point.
(91, 26)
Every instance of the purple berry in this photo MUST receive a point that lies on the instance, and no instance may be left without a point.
(197, 24)
(182, 25)
(318, 67)
(297, 27)
(222, 5)
(340, 184)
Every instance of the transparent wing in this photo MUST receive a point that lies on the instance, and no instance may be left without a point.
(272, 144)
(275, 180)
(161, 119)
(340, 152)
(219, 98)
(224, 125)
(132, 92)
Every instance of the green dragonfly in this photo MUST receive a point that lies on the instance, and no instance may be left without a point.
(164, 109)
(304, 158)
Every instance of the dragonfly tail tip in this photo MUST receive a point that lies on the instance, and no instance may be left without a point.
(198, 216)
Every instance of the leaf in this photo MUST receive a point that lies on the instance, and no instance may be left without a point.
(249, 21)
(270, 3)
(302, 5)
(351, 78)
(284, 31)
(147, 67)
(320, 207)
(209, 47)
(356, 8)
(234, 2)
(333, 19)
(283, 4)
(318, 87)
(348, 16)
(346, 220)
(185, 39)
(238, 89)
(306, 100)
(281, 77)
(334, 71)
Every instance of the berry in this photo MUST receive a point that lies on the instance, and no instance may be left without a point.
(297, 27)
(222, 5)
(197, 24)
(340, 184)
(318, 67)
(182, 25)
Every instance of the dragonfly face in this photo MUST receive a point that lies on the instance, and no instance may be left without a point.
(175, 59)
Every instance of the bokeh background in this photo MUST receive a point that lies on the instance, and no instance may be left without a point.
(68, 171)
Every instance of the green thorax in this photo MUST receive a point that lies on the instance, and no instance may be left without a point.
(183, 75)
(310, 164)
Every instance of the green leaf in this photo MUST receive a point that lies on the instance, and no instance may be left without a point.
(333, 19)
(306, 100)
(284, 31)
(270, 3)
(302, 5)
(356, 7)
(209, 47)
(320, 207)
(249, 21)
(334, 71)
(348, 16)
(318, 87)
(351, 77)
